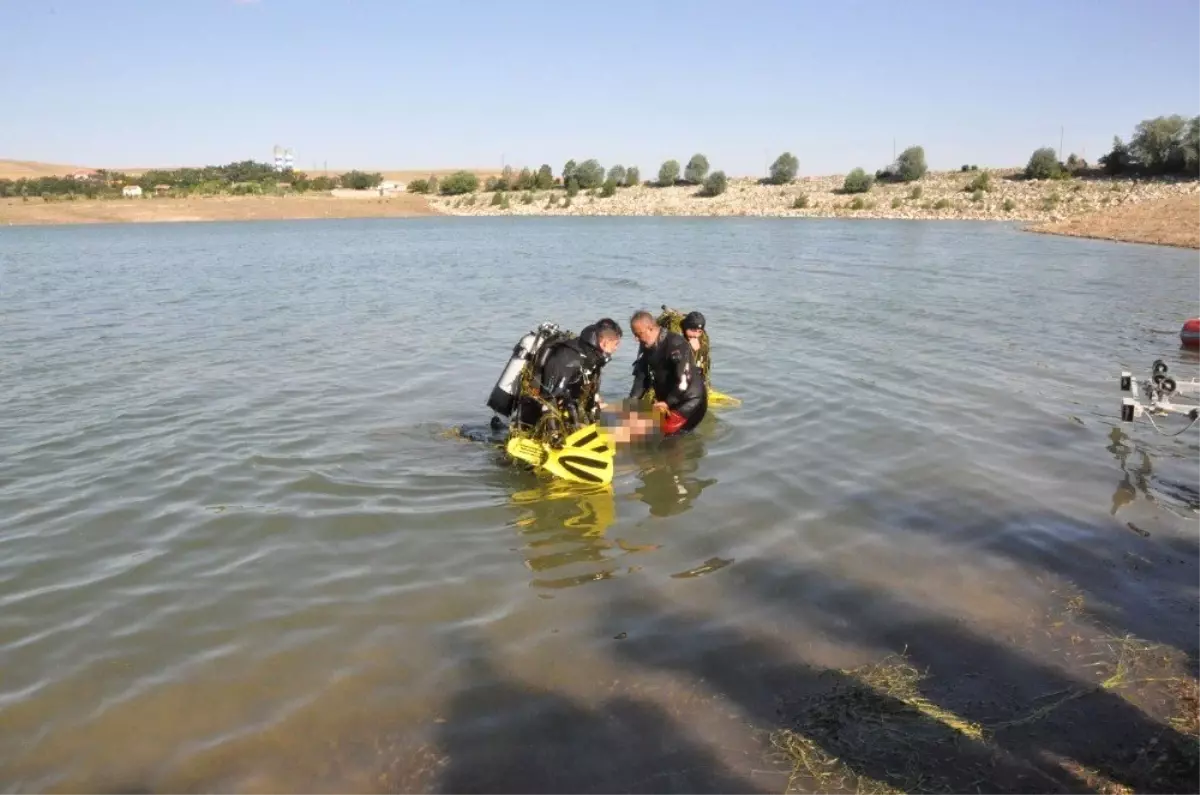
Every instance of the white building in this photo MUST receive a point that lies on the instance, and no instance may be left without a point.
(131, 191)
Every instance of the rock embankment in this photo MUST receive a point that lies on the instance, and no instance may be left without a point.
(936, 196)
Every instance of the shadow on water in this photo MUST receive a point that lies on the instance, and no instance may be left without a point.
(1128, 580)
(504, 735)
(974, 714)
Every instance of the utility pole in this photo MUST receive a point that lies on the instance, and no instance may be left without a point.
(893, 149)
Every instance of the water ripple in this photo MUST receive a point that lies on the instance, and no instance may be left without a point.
(231, 490)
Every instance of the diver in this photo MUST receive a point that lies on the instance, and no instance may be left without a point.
(566, 374)
(692, 327)
(667, 363)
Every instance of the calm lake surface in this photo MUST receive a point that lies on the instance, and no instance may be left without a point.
(242, 549)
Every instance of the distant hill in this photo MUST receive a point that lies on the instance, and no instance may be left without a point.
(30, 169)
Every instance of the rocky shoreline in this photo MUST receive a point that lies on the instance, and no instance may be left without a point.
(937, 196)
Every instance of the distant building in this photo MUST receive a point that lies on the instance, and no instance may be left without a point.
(84, 174)
(388, 188)
(162, 190)
(131, 191)
(284, 158)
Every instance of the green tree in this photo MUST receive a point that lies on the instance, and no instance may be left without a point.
(668, 173)
(507, 178)
(716, 184)
(784, 169)
(1191, 147)
(632, 177)
(359, 180)
(417, 186)
(589, 174)
(1158, 144)
(910, 165)
(1043, 164)
(545, 178)
(1119, 160)
(617, 174)
(569, 171)
(857, 181)
(460, 182)
(526, 180)
(572, 187)
(609, 188)
(696, 169)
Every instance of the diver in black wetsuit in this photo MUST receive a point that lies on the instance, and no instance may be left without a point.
(667, 363)
(564, 369)
(692, 327)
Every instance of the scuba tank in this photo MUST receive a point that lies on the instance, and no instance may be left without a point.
(504, 394)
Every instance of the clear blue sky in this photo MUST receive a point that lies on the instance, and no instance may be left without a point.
(442, 83)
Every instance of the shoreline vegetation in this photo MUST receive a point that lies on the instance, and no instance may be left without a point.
(1144, 191)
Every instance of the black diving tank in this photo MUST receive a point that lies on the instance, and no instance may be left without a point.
(504, 394)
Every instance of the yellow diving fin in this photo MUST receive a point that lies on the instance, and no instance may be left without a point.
(591, 437)
(581, 465)
(716, 398)
(585, 457)
(525, 449)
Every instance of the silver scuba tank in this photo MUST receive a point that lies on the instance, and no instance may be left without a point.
(504, 394)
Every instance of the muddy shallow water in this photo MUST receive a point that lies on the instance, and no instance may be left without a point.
(244, 551)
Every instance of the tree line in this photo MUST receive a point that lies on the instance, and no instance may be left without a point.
(239, 178)
(1161, 146)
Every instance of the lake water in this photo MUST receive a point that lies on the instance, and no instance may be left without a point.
(241, 548)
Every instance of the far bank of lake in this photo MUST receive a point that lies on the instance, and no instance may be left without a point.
(1164, 212)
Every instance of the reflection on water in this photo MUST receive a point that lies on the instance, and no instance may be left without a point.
(564, 525)
(666, 471)
(1131, 482)
(564, 528)
(1180, 498)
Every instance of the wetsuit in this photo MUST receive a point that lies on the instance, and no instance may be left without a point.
(562, 372)
(670, 368)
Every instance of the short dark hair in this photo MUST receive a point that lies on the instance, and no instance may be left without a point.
(641, 316)
(607, 327)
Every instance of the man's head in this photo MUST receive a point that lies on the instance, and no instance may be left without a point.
(645, 327)
(693, 325)
(608, 335)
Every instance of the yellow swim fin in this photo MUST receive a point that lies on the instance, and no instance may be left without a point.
(525, 449)
(585, 457)
(716, 398)
(591, 437)
(581, 465)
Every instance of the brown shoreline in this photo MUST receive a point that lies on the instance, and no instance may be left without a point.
(14, 212)
(1173, 221)
(1169, 221)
